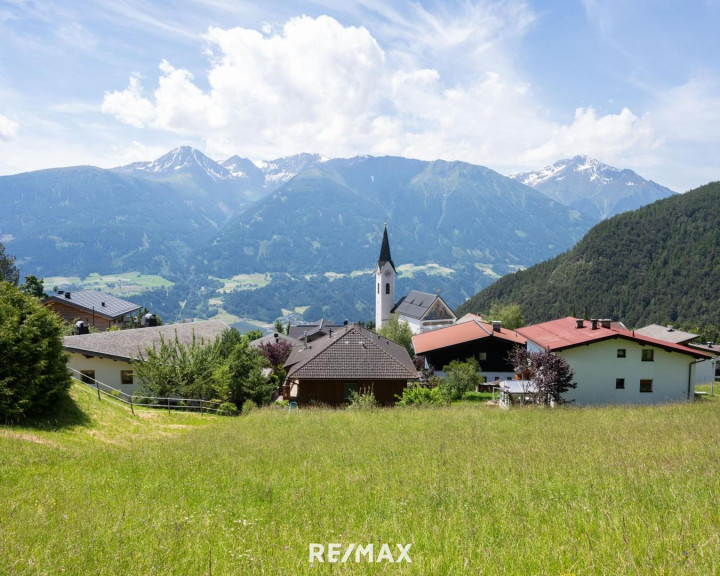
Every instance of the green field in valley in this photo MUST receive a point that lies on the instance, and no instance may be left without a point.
(471, 488)
(121, 285)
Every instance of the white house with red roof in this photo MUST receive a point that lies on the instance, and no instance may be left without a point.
(614, 365)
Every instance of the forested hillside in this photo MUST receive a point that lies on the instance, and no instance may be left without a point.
(658, 264)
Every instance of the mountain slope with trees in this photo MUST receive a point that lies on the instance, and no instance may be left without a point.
(658, 264)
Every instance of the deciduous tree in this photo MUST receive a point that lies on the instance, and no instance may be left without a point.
(550, 374)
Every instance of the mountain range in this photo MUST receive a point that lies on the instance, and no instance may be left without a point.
(311, 224)
(593, 188)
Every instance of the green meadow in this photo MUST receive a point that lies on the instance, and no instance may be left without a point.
(472, 488)
(126, 284)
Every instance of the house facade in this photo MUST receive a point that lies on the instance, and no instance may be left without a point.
(616, 366)
(424, 312)
(108, 356)
(101, 311)
(488, 342)
(705, 372)
(351, 359)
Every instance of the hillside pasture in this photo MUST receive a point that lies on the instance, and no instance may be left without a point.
(473, 489)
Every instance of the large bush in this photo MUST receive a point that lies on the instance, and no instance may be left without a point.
(227, 369)
(33, 366)
(460, 377)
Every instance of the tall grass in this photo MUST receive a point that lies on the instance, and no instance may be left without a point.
(475, 490)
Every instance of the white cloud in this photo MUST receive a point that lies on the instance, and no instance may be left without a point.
(8, 128)
(318, 86)
(129, 106)
(612, 138)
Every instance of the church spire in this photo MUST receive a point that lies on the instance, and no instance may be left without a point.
(385, 251)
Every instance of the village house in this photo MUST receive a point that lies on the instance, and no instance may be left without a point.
(614, 365)
(309, 332)
(107, 356)
(351, 359)
(95, 309)
(488, 342)
(705, 372)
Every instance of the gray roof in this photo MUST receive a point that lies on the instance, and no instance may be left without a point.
(666, 333)
(416, 304)
(352, 353)
(314, 330)
(273, 338)
(93, 301)
(127, 344)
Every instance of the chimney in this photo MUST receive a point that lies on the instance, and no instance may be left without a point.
(670, 328)
(579, 323)
(102, 304)
(606, 322)
(593, 324)
(330, 333)
(67, 295)
(497, 325)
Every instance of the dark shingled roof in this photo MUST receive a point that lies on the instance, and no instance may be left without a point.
(127, 344)
(93, 301)
(385, 251)
(416, 304)
(352, 353)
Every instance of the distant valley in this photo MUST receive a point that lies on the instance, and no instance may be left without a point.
(308, 226)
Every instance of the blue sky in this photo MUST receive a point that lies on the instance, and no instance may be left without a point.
(510, 85)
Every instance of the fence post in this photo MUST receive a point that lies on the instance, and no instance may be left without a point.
(97, 386)
(168, 404)
(131, 406)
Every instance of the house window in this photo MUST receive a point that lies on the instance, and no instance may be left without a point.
(126, 376)
(350, 387)
(621, 352)
(645, 385)
(378, 287)
(648, 355)
(619, 383)
(387, 288)
(87, 376)
(482, 356)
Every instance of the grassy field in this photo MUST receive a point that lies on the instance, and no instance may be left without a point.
(127, 284)
(473, 489)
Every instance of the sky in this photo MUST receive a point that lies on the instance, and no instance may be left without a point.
(511, 85)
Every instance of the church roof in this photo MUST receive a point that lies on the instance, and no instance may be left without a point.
(385, 251)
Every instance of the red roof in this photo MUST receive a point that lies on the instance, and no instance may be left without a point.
(565, 333)
(460, 333)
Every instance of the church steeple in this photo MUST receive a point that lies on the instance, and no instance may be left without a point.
(384, 283)
(385, 251)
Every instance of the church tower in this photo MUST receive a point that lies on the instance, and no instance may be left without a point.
(384, 284)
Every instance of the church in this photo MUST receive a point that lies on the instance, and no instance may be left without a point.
(423, 312)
